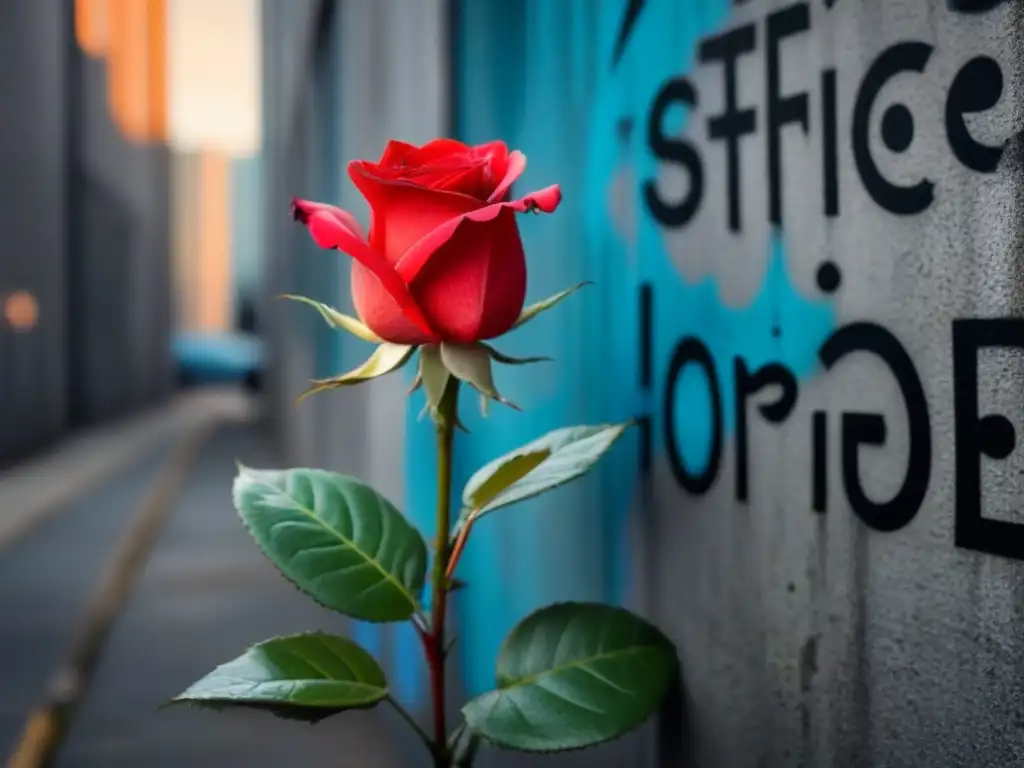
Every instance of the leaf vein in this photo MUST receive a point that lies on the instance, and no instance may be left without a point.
(351, 544)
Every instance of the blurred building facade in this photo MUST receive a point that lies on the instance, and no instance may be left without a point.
(134, 146)
(804, 224)
(86, 271)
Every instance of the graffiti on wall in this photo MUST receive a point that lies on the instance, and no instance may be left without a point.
(719, 358)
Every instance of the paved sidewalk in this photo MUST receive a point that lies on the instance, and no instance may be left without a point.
(45, 583)
(33, 491)
(207, 593)
(204, 595)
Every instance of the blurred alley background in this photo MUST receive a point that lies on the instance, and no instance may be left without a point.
(153, 147)
(802, 219)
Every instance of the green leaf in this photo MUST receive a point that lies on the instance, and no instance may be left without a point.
(338, 320)
(542, 306)
(512, 469)
(336, 539)
(385, 359)
(308, 677)
(471, 363)
(546, 463)
(574, 675)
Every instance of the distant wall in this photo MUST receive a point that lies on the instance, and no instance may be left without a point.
(287, 31)
(33, 198)
(85, 221)
(121, 254)
(246, 240)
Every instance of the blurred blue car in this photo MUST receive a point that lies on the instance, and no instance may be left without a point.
(205, 358)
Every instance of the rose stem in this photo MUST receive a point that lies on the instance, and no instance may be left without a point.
(435, 644)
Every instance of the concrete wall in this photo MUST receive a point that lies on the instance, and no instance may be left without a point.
(787, 325)
(835, 300)
(525, 73)
(805, 224)
(405, 47)
(33, 200)
(287, 29)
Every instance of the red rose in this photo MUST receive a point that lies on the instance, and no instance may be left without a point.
(444, 260)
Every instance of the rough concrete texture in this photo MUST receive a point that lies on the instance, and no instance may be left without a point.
(812, 193)
(860, 632)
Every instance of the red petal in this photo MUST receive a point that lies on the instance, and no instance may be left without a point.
(332, 227)
(544, 200)
(404, 211)
(376, 307)
(497, 149)
(331, 218)
(515, 167)
(475, 287)
(395, 152)
(410, 264)
(439, 148)
(421, 165)
(371, 181)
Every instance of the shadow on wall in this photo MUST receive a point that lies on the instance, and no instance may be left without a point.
(674, 735)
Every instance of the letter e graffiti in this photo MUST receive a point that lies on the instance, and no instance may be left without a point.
(976, 436)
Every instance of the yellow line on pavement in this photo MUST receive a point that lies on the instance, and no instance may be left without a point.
(46, 726)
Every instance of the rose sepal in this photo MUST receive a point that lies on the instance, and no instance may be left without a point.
(386, 358)
(530, 312)
(471, 363)
(338, 320)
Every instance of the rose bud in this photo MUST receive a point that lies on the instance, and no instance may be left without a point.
(444, 261)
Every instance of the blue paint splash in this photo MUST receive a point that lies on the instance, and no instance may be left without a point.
(779, 325)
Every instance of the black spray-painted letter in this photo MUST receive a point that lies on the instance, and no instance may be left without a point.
(976, 436)
(869, 428)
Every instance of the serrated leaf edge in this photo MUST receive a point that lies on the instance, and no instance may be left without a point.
(412, 599)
